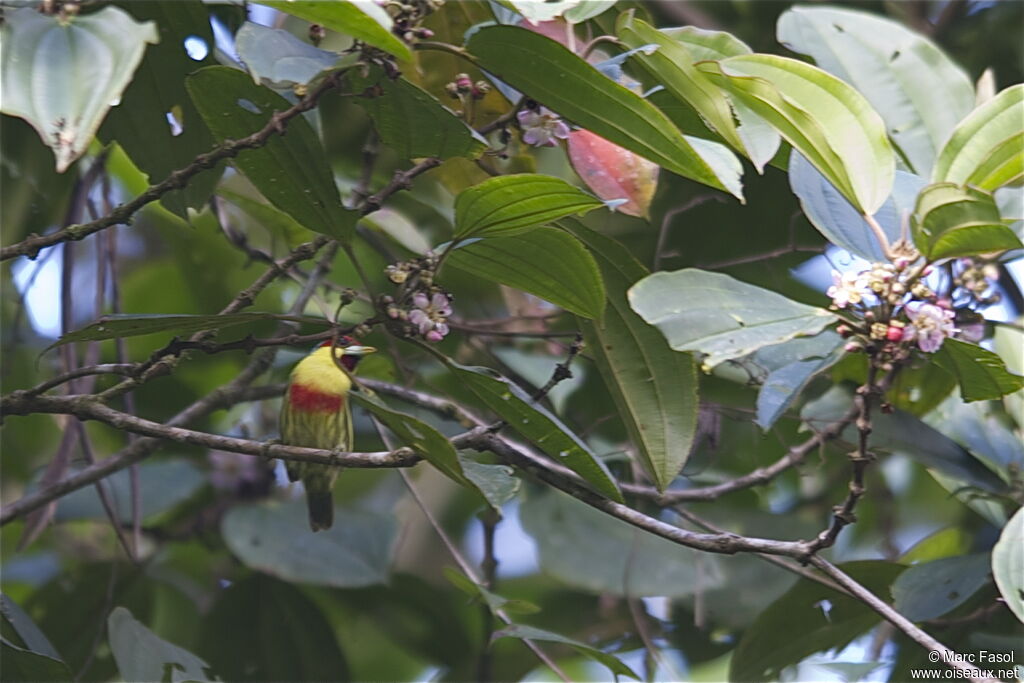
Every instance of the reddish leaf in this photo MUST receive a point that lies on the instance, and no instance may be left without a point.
(613, 172)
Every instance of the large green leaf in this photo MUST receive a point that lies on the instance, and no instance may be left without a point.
(428, 443)
(588, 98)
(497, 483)
(950, 220)
(365, 21)
(522, 631)
(274, 538)
(546, 262)
(262, 629)
(139, 123)
(1008, 564)
(412, 121)
(931, 589)
(987, 148)
(26, 629)
(291, 171)
(919, 92)
(671, 65)
(144, 656)
(708, 45)
(537, 425)
(124, 325)
(823, 117)
(21, 664)
(507, 205)
(791, 366)
(809, 618)
(654, 387)
(63, 75)
(588, 549)
(982, 374)
(720, 316)
(163, 484)
(839, 222)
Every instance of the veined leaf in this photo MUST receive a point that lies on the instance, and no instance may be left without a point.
(545, 262)
(931, 589)
(950, 220)
(791, 366)
(671, 65)
(365, 21)
(918, 91)
(654, 387)
(63, 75)
(823, 117)
(708, 45)
(613, 172)
(614, 664)
(412, 121)
(838, 221)
(1008, 564)
(118, 326)
(142, 655)
(507, 205)
(291, 171)
(582, 94)
(720, 316)
(982, 374)
(425, 440)
(987, 148)
(539, 426)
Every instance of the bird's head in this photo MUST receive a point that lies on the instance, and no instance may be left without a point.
(350, 351)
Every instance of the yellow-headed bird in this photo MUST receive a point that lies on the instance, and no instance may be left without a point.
(316, 414)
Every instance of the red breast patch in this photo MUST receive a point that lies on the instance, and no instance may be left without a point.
(313, 401)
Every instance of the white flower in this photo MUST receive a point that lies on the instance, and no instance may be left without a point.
(930, 325)
(847, 288)
(431, 315)
(542, 128)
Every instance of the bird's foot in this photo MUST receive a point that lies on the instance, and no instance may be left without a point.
(265, 448)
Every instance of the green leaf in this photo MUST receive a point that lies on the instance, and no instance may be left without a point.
(426, 441)
(791, 366)
(276, 222)
(838, 221)
(586, 9)
(982, 374)
(163, 484)
(274, 538)
(987, 148)
(261, 629)
(291, 171)
(493, 601)
(654, 387)
(797, 624)
(828, 121)
(918, 91)
(1008, 564)
(63, 75)
(671, 65)
(497, 483)
(142, 655)
(931, 589)
(135, 325)
(537, 425)
(588, 549)
(719, 316)
(30, 635)
(139, 124)
(511, 204)
(277, 59)
(545, 262)
(950, 220)
(412, 121)
(584, 95)
(706, 45)
(26, 665)
(364, 21)
(614, 664)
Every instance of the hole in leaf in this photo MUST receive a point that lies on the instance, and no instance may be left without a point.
(196, 48)
(249, 106)
(175, 119)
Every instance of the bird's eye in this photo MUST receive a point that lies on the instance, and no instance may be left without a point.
(346, 341)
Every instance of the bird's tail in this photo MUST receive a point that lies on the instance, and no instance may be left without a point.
(321, 508)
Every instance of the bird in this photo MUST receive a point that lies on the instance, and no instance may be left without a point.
(316, 413)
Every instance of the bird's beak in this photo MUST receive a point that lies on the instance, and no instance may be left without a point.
(359, 350)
